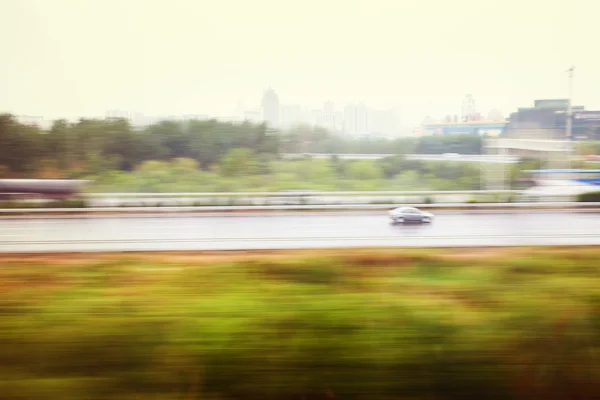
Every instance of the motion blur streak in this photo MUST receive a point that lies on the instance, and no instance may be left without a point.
(357, 325)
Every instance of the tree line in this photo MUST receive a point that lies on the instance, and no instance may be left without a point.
(92, 146)
(242, 171)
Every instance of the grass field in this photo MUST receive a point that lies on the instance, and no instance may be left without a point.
(510, 323)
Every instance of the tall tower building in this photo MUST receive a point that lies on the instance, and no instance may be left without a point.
(362, 120)
(468, 108)
(270, 108)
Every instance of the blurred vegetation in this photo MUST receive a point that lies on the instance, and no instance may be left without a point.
(360, 325)
(217, 156)
(71, 203)
(591, 197)
(241, 171)
(212, 156)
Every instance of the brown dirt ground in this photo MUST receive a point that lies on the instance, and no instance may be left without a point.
(363, 256)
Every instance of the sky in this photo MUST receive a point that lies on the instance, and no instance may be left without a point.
(80, 58)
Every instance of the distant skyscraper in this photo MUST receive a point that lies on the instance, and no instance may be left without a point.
(270, 108)
(468, 108)
(356, 119)
(328, 107)
(362, 120)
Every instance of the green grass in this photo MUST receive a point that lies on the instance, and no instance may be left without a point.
(591, 197)
(360, 324)
(50, 204)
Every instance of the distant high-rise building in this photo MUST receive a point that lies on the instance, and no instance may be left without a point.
(356, 119)
(270, 108)
(362, 119)
(328, 107)
(316, 117)
(468, 108)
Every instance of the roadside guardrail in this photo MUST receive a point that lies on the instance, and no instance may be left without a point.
(349, 207)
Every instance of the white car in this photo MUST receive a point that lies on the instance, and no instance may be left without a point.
(403, 215)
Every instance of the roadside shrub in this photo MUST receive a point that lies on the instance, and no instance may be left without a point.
(52, 204)
(359, 326)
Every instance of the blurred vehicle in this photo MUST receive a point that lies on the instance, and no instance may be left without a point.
(403, 215)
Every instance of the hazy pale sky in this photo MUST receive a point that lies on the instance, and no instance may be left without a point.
(70, 58)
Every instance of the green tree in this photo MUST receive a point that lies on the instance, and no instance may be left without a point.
(184, 166)
(60, 144)
(363, 170)
(239, 162)
(21, 146)
(153, 175)
(391, 166)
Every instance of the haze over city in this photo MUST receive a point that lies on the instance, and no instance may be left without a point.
(68, 58)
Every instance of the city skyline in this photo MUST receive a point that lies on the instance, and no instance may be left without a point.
(353, 119)
(61, 61)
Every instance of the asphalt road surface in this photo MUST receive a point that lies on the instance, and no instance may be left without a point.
(293, 230)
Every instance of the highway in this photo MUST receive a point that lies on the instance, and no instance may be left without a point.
(293, 230)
